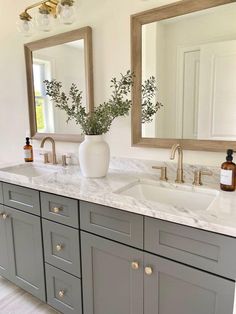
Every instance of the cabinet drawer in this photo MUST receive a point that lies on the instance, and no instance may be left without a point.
(205, 250)
(61, 247)
(60, 209)
(21, 198)
(1, 193)
(63, 291)
(112, 223)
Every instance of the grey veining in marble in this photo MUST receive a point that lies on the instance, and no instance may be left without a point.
(220, 216)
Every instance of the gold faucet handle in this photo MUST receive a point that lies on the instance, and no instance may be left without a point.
(163, 176)
(64, 160)
(198, 176)
(45, 158)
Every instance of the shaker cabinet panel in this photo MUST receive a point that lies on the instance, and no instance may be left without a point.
(202, 249)
(112, 223)
(21, 198)
(61, 247)
(26, 255)
(111, 283)
(60, 209)
(174, 288)
(1, 193)
(4, 247)
(63, 291)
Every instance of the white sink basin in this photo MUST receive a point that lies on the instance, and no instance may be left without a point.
(30, 170)
(181, 197)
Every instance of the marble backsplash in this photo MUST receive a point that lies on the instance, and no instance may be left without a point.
(145, 166)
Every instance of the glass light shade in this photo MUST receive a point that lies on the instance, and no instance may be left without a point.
(66, 14)
(26, 28)
(44, 22)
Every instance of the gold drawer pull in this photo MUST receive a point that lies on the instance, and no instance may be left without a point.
(61, 293)
(56, 210)
(59, 247)
(4, 216)
(148, 270)
(135, 265)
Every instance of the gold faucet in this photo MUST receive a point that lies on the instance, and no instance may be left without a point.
(180, 172)
(50, 139)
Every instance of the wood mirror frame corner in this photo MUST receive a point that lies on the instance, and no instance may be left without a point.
(81, 33)
(137, 21)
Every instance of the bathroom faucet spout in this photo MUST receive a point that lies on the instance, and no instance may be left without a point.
(180, 172)
(50, 139)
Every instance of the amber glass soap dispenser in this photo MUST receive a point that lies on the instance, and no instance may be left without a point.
(227, 173)
(28, 151)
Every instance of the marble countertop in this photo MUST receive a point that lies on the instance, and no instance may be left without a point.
(219, 217)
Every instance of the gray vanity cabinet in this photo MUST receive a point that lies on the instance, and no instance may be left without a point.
(24, 248)
(110, 284)
(170, 287)
(4, 248)
(120, 279)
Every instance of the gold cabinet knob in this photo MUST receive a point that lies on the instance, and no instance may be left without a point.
(148, 270)
(56, 210)
(59, 247)
(61, 293)
(135, 265)
(4, 216)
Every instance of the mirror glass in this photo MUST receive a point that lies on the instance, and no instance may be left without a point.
(65, 63)
(193, 58)
(67, 58)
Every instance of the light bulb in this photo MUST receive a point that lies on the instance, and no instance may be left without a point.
(66, 14)
(25, 27)
(44, 22)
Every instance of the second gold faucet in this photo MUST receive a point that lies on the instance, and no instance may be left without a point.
(180, 171)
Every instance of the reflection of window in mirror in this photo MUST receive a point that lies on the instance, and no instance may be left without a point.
(65, 63)
(67, 58)
(42, 70)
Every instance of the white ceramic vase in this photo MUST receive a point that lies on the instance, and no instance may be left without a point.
(94, 156)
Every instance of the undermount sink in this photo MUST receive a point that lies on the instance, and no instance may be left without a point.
(181, 197)
(30, 170)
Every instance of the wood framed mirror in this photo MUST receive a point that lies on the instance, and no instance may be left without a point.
(66, 57)
(190, 48)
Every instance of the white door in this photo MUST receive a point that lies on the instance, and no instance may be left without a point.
(217, 91)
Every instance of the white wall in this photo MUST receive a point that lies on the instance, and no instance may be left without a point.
(110, 20)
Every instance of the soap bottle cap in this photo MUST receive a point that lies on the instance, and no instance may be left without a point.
(229, 156)
(27, 141)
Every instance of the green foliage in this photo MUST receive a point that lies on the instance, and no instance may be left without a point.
(149, 109)
(99, 121)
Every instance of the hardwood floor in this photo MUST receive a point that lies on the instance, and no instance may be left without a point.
(14, 300)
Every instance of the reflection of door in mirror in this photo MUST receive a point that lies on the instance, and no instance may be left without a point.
(193, 58)
(65, 63)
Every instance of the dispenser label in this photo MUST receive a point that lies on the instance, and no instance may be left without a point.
(226, 177)
(27, 153)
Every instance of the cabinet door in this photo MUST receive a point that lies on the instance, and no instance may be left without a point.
(170, 287)
(1, 193)
(110, 284)
(4, 247)
(25, 247)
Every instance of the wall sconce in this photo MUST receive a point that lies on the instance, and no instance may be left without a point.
(49, 11)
